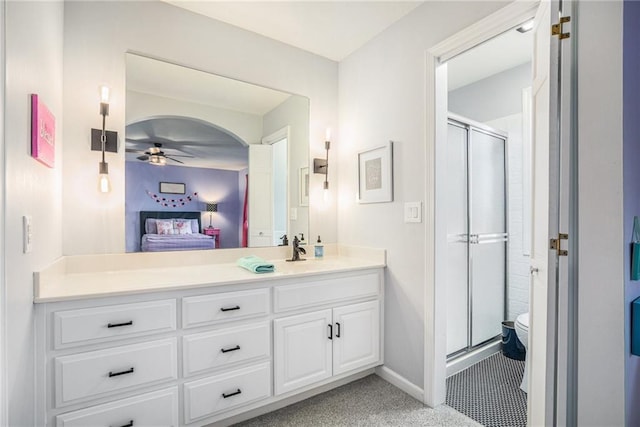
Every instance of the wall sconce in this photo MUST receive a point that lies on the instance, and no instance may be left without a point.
(322, 165)
(211, 208)
(103, 140)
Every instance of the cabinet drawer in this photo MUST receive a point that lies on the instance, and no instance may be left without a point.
(113, 322)
(155, 409)
(211, 395)
(317, 292)
(86, 375)
(211, 350)
(223, 307)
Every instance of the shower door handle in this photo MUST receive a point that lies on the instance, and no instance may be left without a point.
(474, 239)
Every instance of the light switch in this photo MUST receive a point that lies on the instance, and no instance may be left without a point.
(413, 212)
(294, 214)
(27, 235)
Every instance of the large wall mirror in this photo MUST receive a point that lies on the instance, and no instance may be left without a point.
(211, 162)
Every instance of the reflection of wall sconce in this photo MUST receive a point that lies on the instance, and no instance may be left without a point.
(211, 208)
(103, 140)
(322, 165)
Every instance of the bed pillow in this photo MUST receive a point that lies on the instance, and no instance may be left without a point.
(165, 226)
(195, 227)
(182, 226)
(150, 226)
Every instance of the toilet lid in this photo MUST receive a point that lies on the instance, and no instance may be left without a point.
(523, 320)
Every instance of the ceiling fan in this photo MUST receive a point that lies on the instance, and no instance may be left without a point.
(156, 156)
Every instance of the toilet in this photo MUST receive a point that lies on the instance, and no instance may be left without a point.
(522, 331)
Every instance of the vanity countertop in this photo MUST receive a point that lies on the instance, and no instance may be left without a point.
(93, 276)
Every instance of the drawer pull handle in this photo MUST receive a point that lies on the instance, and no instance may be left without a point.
(227, 350)
(338, 331)
(116, 374)
(129, 424)
(225, 395)
(117, 325)
(330, 331)
(237, 307)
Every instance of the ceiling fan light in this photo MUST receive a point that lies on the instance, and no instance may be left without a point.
(157, 160)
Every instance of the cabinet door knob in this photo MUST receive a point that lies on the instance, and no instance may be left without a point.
(129, 424)
(330, 331)
(337, 330)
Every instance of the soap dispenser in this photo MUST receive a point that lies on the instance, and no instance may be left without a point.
(319, 248)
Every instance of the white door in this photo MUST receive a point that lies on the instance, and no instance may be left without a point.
(548, 193)
(302, 350)
(260, 195)
(356, 336)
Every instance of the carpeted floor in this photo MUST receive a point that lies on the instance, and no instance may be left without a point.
(489, 392)
(370, 401)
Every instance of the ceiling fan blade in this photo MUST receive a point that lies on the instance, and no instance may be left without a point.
(144, 158)
(131, 150)
(175, 160)
(181, 155)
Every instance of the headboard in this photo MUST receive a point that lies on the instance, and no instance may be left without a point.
(167, 215)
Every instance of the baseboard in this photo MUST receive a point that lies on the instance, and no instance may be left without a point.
(401, 382)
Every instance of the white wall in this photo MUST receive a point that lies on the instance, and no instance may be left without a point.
(382, 97)
(97, 35)
(479, 100)
(33, 65)
(601, 350)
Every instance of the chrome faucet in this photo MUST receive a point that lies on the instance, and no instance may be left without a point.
(297, 250)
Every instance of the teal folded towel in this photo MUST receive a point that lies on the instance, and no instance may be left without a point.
(256, 264)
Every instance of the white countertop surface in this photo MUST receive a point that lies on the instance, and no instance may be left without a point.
(72, 278)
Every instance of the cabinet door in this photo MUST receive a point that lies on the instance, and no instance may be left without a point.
(302, 350)
(356, 340)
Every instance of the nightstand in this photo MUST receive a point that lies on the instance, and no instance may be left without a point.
(215, 232)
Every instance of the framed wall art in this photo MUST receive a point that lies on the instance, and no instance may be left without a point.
(173, 188)
(375, 174)
(43, 133)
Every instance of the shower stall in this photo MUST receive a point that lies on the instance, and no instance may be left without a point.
(476, 235)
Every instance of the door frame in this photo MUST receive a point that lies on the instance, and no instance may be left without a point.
(504, 19)
(4, 417)
(270, 139)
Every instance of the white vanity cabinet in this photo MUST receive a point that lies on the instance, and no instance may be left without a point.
(314, 346)
(205, 355)
(320, 344)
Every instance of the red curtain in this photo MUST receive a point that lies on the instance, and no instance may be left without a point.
(245, 220)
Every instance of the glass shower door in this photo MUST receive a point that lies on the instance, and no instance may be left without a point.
(487, 234)
(457, 240)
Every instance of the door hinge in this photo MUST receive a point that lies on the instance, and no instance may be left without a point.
(556, 29)
(554, 244)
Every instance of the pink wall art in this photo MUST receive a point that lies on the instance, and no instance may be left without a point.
(43, 132)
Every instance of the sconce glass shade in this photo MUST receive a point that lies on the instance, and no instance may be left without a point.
(104, 185)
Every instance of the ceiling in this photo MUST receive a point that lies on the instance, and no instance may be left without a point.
(499, 54)
(332, 29)
(193, 142)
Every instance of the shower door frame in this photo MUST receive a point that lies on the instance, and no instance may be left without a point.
(468, 124)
